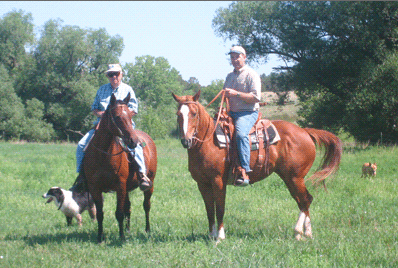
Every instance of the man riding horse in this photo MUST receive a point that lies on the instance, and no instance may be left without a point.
(243, 90)
(101, 102)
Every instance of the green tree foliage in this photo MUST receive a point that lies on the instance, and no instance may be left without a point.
(16, 32)
(192, 85)
(153, 80)
(372, 113)
(209, 92)
(18, 122)
(328, 45)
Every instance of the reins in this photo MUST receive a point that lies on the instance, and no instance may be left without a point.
(115, 138)
(218, 117)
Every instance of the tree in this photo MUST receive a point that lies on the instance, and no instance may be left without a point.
(192, 85)
(372, 113)
(153, 80)
(18, 122)
(209, 92)
(328, 45)
(16, 33)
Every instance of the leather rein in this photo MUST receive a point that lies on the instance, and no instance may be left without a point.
(117, 138)
(218, 117)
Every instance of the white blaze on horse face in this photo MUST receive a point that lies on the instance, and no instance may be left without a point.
(184, 111)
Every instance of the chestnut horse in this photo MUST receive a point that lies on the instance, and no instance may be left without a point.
(109, 167)
(291, 158)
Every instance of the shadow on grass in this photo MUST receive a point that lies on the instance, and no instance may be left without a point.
(59, 238)
(111, 240)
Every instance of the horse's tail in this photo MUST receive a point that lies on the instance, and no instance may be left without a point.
(331, 159)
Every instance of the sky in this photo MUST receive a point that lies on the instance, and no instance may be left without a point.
(179, 31)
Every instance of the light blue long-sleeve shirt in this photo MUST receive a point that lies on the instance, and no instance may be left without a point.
(103, 98)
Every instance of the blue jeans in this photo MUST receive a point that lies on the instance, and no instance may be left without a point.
(244, 121)
(137, 153)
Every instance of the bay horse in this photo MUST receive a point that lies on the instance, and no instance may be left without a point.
(291, 158)
(108, 167)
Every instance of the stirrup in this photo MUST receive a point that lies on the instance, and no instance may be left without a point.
(243, 179)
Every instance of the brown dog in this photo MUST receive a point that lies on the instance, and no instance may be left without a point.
(369, 169)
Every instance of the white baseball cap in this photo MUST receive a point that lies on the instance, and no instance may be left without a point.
(238, 49)
(114, 68)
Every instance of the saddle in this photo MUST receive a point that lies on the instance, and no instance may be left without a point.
(261, 136)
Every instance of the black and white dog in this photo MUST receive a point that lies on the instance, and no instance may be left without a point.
(72, 203)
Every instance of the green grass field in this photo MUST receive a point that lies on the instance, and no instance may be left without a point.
(354, 225)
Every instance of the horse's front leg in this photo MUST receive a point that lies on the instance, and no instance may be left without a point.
(207, 194)
(219, 192)
(127, 212)
(121, 199)
(98, 200)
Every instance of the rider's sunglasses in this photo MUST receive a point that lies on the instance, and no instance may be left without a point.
(111, 74)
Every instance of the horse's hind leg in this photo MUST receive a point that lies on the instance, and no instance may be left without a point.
(303, 198)
(147, 208)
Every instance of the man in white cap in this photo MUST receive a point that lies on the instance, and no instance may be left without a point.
(243, 89)
(101, 101)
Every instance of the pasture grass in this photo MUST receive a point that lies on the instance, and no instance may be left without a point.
(355, 223)
(287, 112)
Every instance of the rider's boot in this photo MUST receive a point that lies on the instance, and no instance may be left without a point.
(242, 178)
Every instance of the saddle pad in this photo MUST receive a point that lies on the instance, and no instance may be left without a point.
(273, 136)
(221, 138)
(271, 130)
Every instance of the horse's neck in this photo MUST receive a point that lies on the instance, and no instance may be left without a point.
(206, 126)
(102, 138)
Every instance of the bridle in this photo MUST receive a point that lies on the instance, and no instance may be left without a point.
(197, 115)
(118, 138)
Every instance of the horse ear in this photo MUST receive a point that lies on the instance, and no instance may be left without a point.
(127, 99)
(113, 100)
(196, 96)
(177, 98)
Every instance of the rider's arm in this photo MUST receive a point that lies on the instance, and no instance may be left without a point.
(247, 97)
